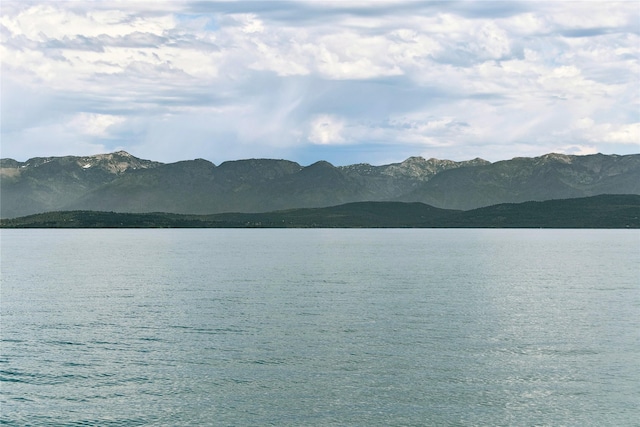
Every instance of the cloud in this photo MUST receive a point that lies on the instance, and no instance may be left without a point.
(224, 80)
(326, 129)
(587, 129)
(93, 124)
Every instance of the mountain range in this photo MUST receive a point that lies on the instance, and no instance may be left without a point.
(120, 182)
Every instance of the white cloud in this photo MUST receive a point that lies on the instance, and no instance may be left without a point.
(587, 129)
(348, 55)
(55, 139)
(624, 134)
(326, 129)
(251, 24)
(526, 24)
(93, 124)
(501, 79)
(53, 21)
(589, 14)
(577, 150)
(492, 41)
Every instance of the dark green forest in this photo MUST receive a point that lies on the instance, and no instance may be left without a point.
(604, 211)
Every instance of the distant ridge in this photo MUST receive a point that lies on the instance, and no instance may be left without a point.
(120, 182)
(605, 211)
(552, 176)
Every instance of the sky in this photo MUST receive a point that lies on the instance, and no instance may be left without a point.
(343, 81)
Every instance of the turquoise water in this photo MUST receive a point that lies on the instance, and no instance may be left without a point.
(320, 327)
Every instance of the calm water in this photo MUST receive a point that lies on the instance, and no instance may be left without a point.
(320, 327)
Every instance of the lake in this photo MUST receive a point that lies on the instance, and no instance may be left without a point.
(339, 327)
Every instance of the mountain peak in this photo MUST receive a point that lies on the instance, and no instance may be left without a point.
(414, 159)
(564, 158)
(116, 154)
(116, 162)
(417, 167)
(321, 164)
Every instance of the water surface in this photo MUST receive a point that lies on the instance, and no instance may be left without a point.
(320, 327)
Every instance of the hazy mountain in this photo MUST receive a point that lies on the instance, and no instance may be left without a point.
(48, 183)
(389, 181)
(552, 176)
(123, 183)
(199, 187)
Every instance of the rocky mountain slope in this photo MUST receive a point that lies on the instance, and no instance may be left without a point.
(388, 181)
(121, 182)
(552, 176)
(48, 183)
